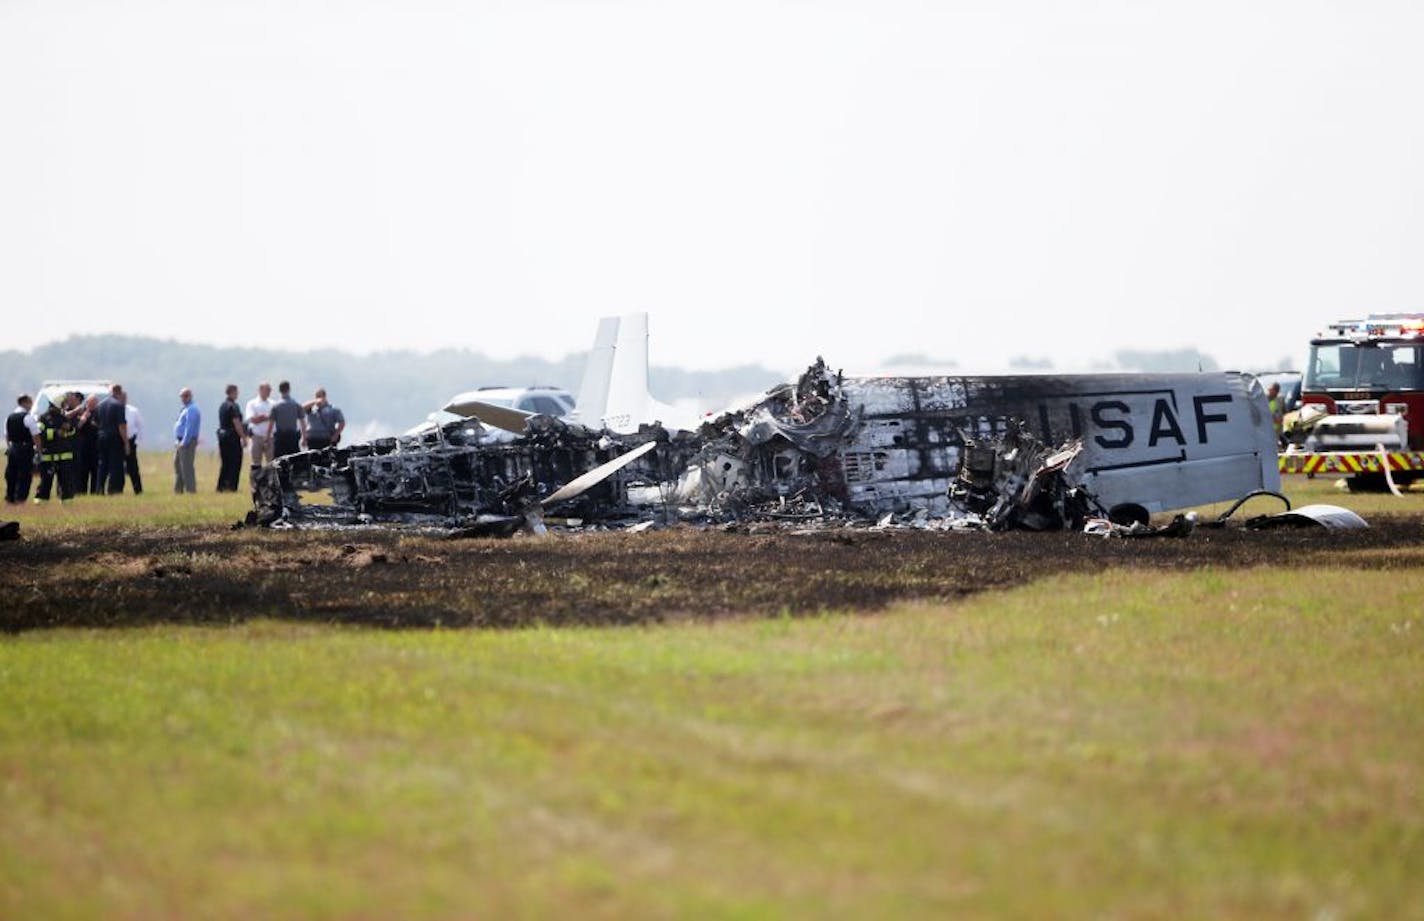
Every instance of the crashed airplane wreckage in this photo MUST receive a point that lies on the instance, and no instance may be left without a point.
(1038, 452)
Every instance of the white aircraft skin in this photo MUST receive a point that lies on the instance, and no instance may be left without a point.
(1158, 441)
(592, 398)
(629, 402)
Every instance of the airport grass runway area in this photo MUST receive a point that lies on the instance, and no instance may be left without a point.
(203, 722)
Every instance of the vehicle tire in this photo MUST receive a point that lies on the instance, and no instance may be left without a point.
(1128, 513)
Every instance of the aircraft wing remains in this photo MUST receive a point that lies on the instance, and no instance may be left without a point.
(492, 414)
(1040, 452)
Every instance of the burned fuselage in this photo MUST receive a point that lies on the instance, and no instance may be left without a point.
(891, 444)
(859, 446)
(449, 476)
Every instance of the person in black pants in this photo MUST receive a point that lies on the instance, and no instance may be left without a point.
(113, 441)
(232, 438)
(135, 421)
(59, 438)
(21, 430)
(86, 452)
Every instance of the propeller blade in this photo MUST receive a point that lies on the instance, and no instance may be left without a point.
(587, 481)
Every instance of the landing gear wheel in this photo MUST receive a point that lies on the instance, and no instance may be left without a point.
(1128, 514)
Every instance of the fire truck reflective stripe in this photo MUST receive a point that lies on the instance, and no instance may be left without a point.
(1349, 463)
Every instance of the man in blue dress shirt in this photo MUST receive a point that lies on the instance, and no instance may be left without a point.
(185, 444)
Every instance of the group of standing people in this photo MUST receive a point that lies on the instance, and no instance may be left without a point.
(272, 428)
(89, 445)
(79, 444)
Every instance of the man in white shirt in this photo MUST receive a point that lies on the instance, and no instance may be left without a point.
(134, 418)
(258, 416)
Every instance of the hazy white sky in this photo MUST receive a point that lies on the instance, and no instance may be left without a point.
(769, 180)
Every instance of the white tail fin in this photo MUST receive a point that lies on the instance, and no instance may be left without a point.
(614, 390)
(629, 402)
(628, 377)
(597, 373)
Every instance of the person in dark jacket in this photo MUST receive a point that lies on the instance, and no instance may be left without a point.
(86, 455)
(232, 438)
(113, 441)
(21, 431)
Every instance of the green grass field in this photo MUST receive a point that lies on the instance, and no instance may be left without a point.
(1244, 743)
(158, 505)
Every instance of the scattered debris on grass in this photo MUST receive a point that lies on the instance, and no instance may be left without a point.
(1329, 517)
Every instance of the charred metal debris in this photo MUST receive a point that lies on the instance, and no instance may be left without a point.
(818, 453)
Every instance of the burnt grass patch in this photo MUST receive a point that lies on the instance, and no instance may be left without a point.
(142, 576)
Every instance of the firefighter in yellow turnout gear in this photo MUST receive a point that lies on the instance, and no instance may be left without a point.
(58, 444)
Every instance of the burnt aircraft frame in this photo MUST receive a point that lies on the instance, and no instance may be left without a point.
(857, 447)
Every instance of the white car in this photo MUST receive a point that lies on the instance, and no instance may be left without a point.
(549, 401)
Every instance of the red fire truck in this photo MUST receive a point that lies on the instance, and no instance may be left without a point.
(1364, 388)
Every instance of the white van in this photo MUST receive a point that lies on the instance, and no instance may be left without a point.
(52, 391)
